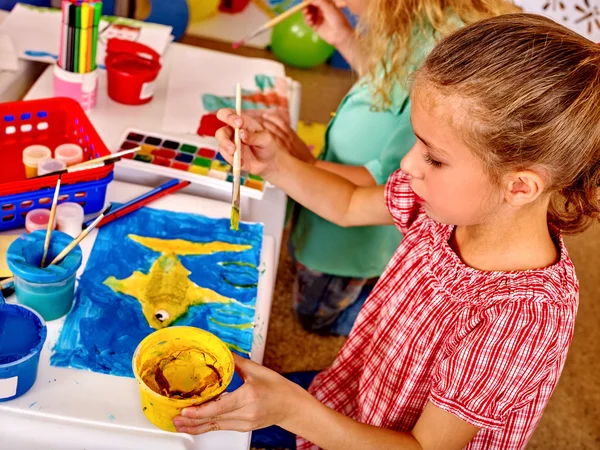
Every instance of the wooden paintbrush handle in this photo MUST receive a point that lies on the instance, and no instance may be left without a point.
(281, 17)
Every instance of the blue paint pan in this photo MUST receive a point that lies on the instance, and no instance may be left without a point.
(22, 336)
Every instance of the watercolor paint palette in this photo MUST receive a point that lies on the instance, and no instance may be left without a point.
(186, 160)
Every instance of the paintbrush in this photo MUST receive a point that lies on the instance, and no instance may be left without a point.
(9, 282)
(167, 188)
(79, 238)
(108, 157)
(82, 166)
(271, 23)
(237, 162)
(50, 222)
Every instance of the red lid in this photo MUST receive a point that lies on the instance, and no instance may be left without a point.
(129, 57)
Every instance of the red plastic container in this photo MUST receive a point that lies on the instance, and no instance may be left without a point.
(48, 122)
(131, 70)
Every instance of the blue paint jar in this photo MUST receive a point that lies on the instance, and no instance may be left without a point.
(49, 291)
(19, 357)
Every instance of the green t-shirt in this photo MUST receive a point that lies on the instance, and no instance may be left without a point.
(377, 140)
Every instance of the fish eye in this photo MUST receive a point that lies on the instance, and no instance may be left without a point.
(161, 315)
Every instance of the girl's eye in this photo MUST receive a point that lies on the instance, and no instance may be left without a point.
(431, 161)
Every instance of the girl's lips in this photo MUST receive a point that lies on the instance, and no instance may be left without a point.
(419, 199)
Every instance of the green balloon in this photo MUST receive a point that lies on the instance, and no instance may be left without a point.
(296, 44)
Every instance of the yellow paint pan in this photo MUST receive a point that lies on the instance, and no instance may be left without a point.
(177, 367)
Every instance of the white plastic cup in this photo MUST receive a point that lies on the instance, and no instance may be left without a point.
(69, 218)
(50, 165)
(70, 154)
(33, 156)
(37, 219)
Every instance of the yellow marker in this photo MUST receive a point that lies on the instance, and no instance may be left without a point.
(83, 41)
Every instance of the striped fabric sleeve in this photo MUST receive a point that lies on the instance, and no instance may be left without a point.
(501, 365)
(401, 201)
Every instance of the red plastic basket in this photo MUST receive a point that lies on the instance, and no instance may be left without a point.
(48, 122)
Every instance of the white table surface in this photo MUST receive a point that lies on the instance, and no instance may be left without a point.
(73, 409)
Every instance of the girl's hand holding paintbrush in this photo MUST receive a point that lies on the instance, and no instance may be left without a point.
(278, 125)
(332, 25)
(328, 21)
(326, 194)
(259, 149)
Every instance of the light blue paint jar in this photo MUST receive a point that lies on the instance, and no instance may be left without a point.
(19, 357)
(49, 291)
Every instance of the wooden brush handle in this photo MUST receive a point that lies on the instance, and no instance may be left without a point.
(281, 17)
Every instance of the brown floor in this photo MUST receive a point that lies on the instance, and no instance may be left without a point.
(572, 419)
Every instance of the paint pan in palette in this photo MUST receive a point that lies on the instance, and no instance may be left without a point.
(186, 160)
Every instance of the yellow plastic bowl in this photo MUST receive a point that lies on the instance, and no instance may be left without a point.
(177, 367)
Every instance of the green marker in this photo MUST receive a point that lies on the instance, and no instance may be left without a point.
(97, 15)
(77, 39)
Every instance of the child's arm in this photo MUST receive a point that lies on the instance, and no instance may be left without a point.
(280, 128)
(326, 194)
(266, 398)
(333, 27)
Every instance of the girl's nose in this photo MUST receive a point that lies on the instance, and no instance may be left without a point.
(411, 163)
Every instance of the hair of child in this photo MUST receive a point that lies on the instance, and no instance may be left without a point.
(391, 28)
(531, 89)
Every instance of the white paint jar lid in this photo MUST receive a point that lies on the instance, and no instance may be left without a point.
(69, 218)
(50, 165)
(69, 153)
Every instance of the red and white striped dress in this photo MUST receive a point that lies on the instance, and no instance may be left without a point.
(487, 347)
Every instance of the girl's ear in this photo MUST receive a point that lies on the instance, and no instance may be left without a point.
(524, 187)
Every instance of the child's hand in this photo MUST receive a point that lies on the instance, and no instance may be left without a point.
(259, 149)
(328, 21)
(266, 398)
(281, 130)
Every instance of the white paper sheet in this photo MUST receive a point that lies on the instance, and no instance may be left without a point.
(35, 33)
(8, 55)
(191, 76)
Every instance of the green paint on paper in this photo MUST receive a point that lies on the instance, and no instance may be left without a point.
(240, 326)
